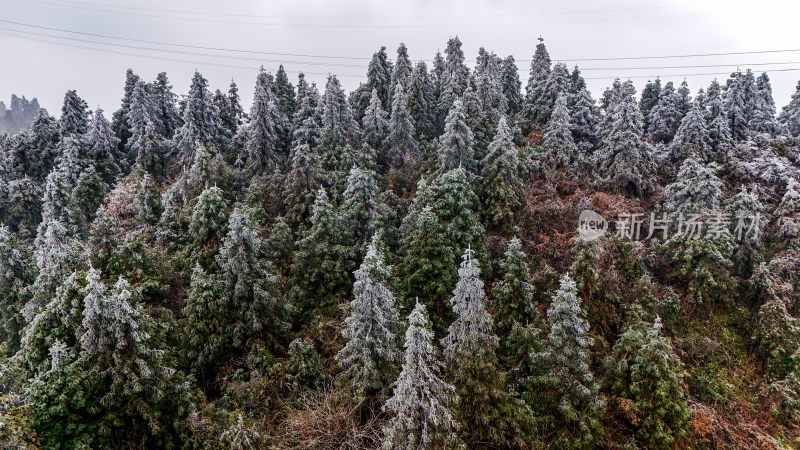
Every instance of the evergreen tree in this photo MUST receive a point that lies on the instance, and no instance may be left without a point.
(361, 206)
(742, 206)
(535, 91)
(421, 102)
(101, 143)
(145, 144)
(502, 189)
(560, 148)
(119, 120)
(583, 121)
(762, 119)
(379, 76)
(696, 189)
(284, 93)
(235, 107)
(580, 406)
(372, 327)
(401, 72)
(403, 148)
(302, 183)
(258, 311)
(739, 99)
(74, 119)
(647, 372)
(665, 117)
(692, 139)
(420, 405)
(16, 273)
(375, 123)
(626, 160)
(512, 295)
(323, 262)
(262, 140)
(512, 86)
(790, 115)
(147, 201)
(485, 409)
(788, 211)
(201, 123)
(455, 145)
(163, 100)
(650, 96)
(209, 218)
(338, 128)
(684, 99)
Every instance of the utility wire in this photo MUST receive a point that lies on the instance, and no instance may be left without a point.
(448, 16)
(356, 58)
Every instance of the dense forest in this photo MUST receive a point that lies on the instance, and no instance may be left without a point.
(403, 266)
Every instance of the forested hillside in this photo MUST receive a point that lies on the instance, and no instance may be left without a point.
(18, 115)
(403, 266)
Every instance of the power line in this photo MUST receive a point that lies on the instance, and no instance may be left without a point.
(794, 69)
(336, 65)
(483, 24)
(356, 58)
(448, 16)
(196, 63)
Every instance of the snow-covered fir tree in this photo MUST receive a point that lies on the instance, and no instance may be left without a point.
(512, 86)
(372, 327)
(375, 123)
(455, 145)
(263, 147)
(575, 390)
(401, 71)
(201, 123)
(164, 104)
(626, 160)
(790, 115)
(535, 89)
(692, 139)
(74, 120)
(421, 404)
(502, 188)
(560, 149)
(649, 99)
(696, 188)
(147, 201)
(403, 147)
(665, 117)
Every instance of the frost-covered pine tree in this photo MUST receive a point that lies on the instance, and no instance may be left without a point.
(650, 94)
(201, 123)
(306, 118)
(379, 75)
(403, 147)
(788, 211)
(102, 145)
(302, 183)
(455, 145)
(55, 252)
(16, 273)
(209, 217)
(684, 99)
(511, 85)
(647, 372)
(323, 261)
(164, 105)
(485, 409)
(580, 406)
(559, 146)
(692, 139)
(262, 140)
(372, 327)
(74, 120)
(762, 118)
(739, 100)
(375, 123)
(284, 93)
(665, 117)
(696, 188)
(512, 295)
(401, 72)
(719, 130)
(455, 76)
(420, 406)
(338, 127)
(790, 115)
(421, 101)
(119, 120)
(237, 114)
(535, 89)
(147, 201)
(583, 121)
(745, 206)
(146, 145)
(502, 189)
(626, 160)
(258, 310)
(361, 207)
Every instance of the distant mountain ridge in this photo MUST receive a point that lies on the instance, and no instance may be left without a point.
(18, 115)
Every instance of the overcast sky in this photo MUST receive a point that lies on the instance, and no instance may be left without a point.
(38, 62)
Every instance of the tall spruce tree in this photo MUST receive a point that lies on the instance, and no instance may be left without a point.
(74, 120)
(403, 147)
(421, 404)
(372, 327)
(560, 149)
(201, 124)
(535, 89)
(502, 189)
(455, 145)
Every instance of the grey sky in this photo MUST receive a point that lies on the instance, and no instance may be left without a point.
(571, 29)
